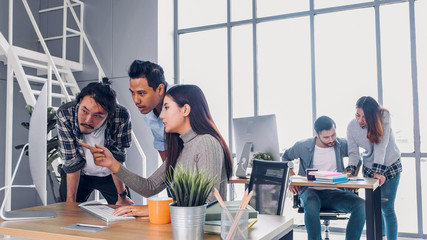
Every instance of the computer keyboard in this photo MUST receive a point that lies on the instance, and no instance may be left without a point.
(104, 212)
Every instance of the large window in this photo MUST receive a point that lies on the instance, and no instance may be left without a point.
(284, 85)
(203, 62)
(300, 59)
(345, 63)
(421, 41)
(396, 71)
(242, 74)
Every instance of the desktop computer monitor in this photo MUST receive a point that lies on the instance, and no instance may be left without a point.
(37, 139)
(252, 135)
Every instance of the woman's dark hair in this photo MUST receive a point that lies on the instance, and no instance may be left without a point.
(102, 93)
(200, 120)
(373, 115)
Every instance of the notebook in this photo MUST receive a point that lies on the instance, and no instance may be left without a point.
(214, 226)
(213, 212)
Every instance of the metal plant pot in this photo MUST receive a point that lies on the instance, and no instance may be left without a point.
(187, 222)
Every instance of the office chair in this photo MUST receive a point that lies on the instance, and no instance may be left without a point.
(269, 180)
(325, 214)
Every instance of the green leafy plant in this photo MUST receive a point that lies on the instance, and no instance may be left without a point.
(190, 188)
(52, 143)
(260, 156)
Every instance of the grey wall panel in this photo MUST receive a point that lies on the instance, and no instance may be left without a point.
(134, 33)
(98, 28)
(24, 34)
(2, 125)
(4, 17)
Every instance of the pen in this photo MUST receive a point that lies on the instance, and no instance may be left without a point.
(89, 225)
(252, 223)
(211, 203)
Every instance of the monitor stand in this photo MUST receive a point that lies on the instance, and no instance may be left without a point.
(24, 215)
(244, 160)
(28, 215)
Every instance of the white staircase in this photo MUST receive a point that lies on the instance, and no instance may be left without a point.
(32, 70)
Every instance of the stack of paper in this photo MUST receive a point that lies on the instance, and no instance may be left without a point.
(213, 212)
(214, 226)
(330, 177)
(213, 215)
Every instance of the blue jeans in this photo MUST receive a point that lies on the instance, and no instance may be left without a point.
(312, 200)
(389, 220)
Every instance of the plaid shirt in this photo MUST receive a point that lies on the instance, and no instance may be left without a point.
(388, 172)
(117, 135)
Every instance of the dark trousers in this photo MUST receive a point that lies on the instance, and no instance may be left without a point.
(89, 183)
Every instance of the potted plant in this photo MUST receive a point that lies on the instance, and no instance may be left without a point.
(52, 144)
(190, 190)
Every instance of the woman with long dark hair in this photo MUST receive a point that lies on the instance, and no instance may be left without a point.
(192, 140)
(371, 130)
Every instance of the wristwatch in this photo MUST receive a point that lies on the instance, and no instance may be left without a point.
(290, 165)
(124, 193)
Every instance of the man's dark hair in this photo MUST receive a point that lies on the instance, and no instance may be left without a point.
(148, 70)
(323, 123)
(102, 93)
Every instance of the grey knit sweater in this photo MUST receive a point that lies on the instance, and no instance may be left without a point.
(200, 151)
(384, 153)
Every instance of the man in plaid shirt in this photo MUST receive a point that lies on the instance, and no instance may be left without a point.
(94, 118)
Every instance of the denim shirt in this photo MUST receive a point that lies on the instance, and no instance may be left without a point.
(157, 128)
(304, 150)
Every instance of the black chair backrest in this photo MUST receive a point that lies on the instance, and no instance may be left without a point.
(269, 180)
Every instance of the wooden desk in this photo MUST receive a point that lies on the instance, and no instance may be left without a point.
(372, 201)
(267, 227)
(235, 179)
(231, 183)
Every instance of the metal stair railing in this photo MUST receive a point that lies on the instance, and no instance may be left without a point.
(14, 61)
(101, 73)
(52, 65)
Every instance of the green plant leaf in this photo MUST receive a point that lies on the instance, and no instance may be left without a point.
(26, 125)
(190, 187)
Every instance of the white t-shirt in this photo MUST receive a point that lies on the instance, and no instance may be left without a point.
(96, 137)
(324, 159)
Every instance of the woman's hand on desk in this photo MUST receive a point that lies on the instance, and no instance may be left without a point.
(132, 211)
(379, 177)
(294, 189)
(103, 157)
(349, 173)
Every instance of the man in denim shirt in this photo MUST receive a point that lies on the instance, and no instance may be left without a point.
(94, 118)
(325, 152)
(148, 88)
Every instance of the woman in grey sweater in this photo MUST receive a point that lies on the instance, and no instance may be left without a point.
(371, 130)
(192, 140)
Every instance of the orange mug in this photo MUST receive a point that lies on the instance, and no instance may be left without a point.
(158, 210)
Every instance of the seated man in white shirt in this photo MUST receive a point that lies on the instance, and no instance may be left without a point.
(325, 152)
